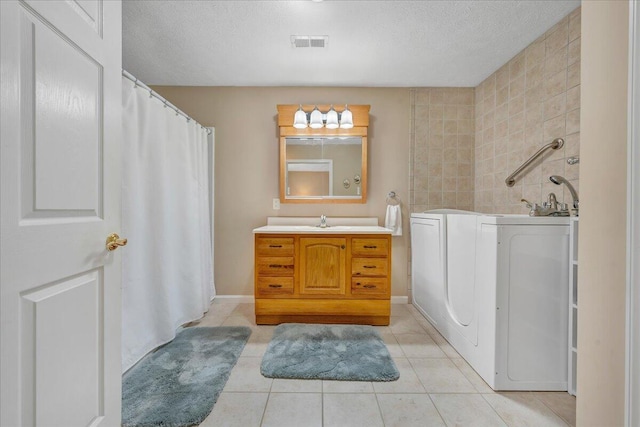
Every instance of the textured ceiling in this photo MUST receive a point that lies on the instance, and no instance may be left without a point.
(371, 43)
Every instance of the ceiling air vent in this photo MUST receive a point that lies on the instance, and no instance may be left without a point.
(309, 41)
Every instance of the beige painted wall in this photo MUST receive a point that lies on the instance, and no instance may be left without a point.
(602, 250)
(527, 103)
(246, 166)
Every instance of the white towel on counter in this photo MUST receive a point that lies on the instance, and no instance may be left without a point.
(393, 219)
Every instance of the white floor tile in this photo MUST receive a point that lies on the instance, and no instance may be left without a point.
(257, 344)
(523, 409)
(560, 402)
(405, 325)
(351, 410)
(458, 395)
(472, 376)
(246, 376)
(419, 345)
(237, 410)
(407, 383)
(296, 386)
(400, 310)
(392, 344)
(466, 410)
(441, 376)
(346, 386)
(293, 410)
(408, 410)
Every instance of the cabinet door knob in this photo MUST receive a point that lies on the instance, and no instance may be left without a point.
(342, 247)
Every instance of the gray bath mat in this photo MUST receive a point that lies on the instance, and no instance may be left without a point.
(178, 384)
(328, 352)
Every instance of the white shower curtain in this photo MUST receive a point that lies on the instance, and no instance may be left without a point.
(167, 264)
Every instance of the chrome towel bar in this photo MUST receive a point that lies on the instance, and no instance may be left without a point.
(553, 145)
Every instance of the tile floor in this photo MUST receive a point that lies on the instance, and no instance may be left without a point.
(436, 386)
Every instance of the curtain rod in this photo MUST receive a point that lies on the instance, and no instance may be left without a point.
(162, 99)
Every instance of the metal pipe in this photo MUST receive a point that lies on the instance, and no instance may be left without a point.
(554, 145)
(155, 94)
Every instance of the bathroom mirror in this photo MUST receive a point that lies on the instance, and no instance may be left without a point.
(323, 165)
(317, 167)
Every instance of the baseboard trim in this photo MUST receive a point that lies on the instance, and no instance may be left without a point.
(234, 298)
(399, 300)
(249, 299)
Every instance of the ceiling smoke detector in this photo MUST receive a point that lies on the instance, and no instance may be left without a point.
(309, 41)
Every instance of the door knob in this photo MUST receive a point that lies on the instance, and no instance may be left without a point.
(113, 241)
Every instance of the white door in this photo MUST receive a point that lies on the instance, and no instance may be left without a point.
(60, 197)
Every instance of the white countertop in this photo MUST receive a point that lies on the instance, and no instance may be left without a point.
(309, 225)
(312, 229)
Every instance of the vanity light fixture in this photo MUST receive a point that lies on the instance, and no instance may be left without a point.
(300, 119)
(317, 119)
(332, 119)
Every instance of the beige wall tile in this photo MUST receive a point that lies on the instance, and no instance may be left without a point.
(555, 84)
(557, 38)
(516, 105)
(465, 112)
(534, 76)
(477, 136)
(573, 98)
(516, 65)
(574, 26)
(450, 112)
(555, 62)
(573, 121)
(554, 128)
(516, 87)
(554, 107)
(573, 75)
(422, 96)
(535, 53)
(574, 52)
(436, 97)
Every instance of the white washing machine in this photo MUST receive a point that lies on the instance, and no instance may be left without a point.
(495, 286)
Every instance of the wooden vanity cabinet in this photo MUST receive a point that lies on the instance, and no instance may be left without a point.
(323, 279)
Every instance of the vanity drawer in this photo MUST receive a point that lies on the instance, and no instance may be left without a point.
(369, 266)
(274, 246)
(369, 286)
(274, 266)
(279, 286)
(369, 246)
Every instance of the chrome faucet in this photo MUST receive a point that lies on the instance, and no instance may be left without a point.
(549, 208)
(557, 179)
(323, 221)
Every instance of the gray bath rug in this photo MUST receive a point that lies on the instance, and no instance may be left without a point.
(178, 384)
(328, 352)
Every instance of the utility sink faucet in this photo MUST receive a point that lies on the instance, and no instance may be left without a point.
(557, 179)
(549, 208)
